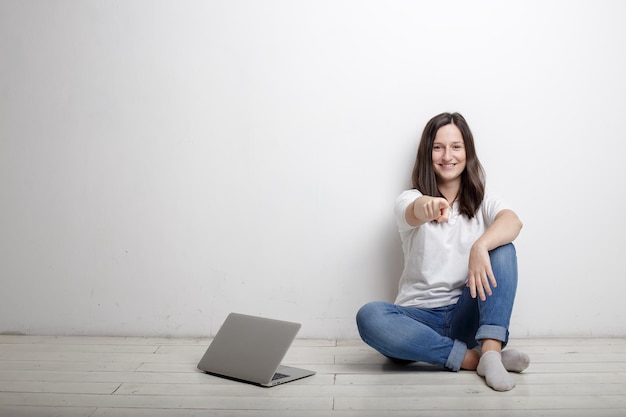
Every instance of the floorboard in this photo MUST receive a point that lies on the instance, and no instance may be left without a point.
(136, 377)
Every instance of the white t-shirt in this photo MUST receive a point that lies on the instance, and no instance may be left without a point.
(436, 255)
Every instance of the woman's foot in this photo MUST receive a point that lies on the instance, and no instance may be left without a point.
(514, 360)
(491, 367)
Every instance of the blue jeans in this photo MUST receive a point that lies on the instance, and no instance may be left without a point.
(442, 335)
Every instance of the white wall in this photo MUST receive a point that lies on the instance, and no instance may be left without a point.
(163, 163)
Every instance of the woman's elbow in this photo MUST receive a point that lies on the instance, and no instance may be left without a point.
(517, 223)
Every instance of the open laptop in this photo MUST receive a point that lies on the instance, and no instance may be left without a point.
(250, 349)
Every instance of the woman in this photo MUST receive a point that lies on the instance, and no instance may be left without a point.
(460, 268)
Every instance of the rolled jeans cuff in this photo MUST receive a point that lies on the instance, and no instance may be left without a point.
(487, 331)
(457, 354)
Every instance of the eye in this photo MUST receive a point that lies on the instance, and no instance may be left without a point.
(458, 146)
(436, 147)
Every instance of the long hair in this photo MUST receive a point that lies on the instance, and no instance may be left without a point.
(472, 189)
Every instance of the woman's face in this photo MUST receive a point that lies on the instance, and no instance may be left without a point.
(448, 154)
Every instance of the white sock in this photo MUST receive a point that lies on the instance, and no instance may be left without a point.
(514, 360)
(490, 366)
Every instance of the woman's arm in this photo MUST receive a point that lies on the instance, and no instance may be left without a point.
(425, 209)
(505, 229)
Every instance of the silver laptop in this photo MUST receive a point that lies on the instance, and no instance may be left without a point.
(250, 349)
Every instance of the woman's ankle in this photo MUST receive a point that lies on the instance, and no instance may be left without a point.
(491, 344)
(470, 362)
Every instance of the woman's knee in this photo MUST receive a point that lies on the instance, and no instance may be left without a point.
(504, 255)
(507, 250)
(370, 315)
(504, 265)
(367, 312)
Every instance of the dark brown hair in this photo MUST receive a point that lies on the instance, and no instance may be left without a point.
(472, 189)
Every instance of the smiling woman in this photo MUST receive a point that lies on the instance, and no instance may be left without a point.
(457, 248)
(449, 160)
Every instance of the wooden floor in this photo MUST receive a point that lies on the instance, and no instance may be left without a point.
(153, 377)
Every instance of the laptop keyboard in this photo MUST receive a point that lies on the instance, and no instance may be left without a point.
(278, 376)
